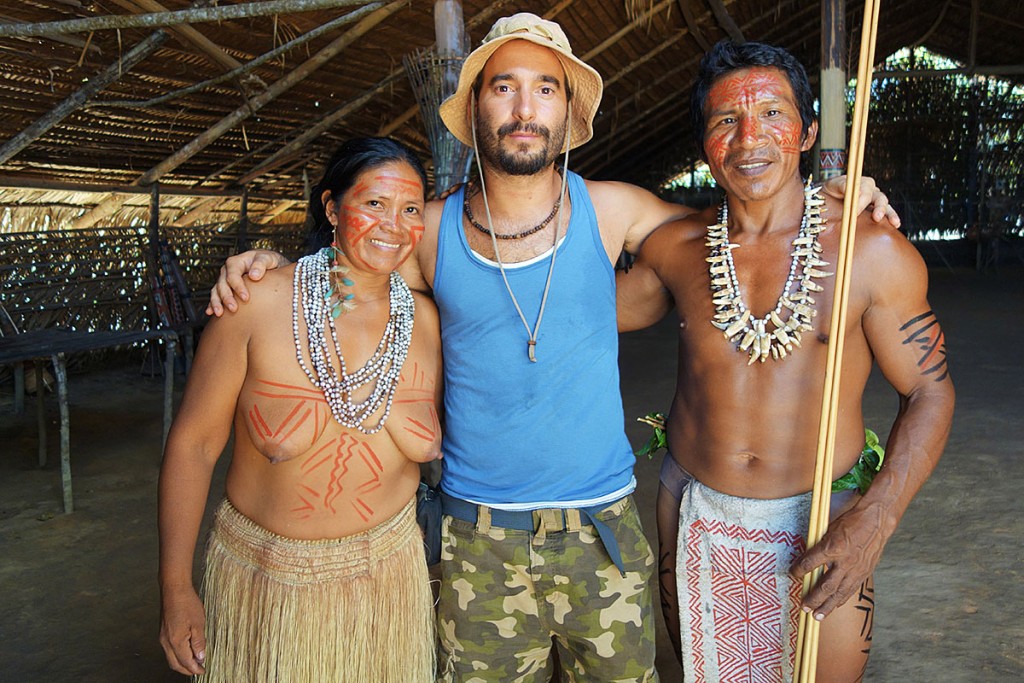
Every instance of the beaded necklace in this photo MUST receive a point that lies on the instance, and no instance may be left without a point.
(731, 314)
(504, 235)
(312, 292)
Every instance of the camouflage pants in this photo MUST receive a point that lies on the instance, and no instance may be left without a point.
(508, 595)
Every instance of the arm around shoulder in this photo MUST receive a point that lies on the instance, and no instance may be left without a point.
(628, 214)
(641, 297)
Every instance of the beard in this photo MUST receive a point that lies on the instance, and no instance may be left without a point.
(495, 154)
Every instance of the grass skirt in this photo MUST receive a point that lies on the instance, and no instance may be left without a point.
(357, 608)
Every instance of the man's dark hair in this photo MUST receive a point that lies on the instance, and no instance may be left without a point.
(726, 57)
(352, 158)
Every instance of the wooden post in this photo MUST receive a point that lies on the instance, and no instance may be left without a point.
(65, 431)
(41, 411)
(242, 238)
(153, 252)
(170, 341)
(832, 130)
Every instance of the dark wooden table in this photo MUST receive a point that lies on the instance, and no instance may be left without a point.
(55, 344)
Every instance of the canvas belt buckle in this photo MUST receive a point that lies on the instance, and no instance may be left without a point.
(539, 522)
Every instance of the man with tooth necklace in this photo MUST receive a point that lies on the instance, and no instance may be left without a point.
(751, 282)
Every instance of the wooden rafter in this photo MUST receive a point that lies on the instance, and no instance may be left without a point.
(159, 19)
(94, 85)
(107, 207)
(691, 23)
(726, 21)
(197, 40)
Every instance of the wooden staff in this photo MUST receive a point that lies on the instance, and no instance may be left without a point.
(808, 628)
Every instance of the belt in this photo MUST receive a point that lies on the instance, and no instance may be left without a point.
(538, 522)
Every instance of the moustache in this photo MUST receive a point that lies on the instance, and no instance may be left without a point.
(519, 127)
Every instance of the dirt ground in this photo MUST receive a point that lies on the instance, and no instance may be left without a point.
(78, 593)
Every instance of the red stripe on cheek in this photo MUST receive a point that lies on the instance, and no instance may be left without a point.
(716, 148)
(358, 224)
(417, 234)
(789, 138)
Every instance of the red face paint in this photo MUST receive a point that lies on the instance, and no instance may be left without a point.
(753, 129)
(384, 207)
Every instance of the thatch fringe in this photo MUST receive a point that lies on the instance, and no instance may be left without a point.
(357, 609)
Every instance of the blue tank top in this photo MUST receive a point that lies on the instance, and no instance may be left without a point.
(521, 434)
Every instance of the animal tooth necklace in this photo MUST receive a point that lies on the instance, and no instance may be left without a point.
(753, 335)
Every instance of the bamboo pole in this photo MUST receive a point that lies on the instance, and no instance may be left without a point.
(809, 628)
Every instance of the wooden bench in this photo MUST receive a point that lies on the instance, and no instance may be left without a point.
(75, 292)
(82, 291)
(56, 344)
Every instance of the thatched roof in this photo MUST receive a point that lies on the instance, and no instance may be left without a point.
(236, 132)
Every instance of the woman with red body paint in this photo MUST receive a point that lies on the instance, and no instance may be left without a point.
(315, 566)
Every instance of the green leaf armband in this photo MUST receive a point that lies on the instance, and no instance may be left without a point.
(867, 466)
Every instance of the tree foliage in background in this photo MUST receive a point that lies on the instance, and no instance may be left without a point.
(948, 149)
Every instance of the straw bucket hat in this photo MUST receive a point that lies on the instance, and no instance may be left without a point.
(584, 82)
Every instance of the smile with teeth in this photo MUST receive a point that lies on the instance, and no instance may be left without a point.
(752, 164)
(384, 245)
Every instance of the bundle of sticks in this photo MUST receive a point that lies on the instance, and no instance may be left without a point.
(808, 628)
(435, 76)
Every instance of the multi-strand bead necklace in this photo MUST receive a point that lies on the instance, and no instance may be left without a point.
(770, 335)
(312, 291)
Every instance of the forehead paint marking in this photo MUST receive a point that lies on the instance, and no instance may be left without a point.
(734, 94)
(360, 187)
(394, 179)
(746, 88)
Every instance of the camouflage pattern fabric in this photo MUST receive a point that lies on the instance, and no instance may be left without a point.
(508, 595)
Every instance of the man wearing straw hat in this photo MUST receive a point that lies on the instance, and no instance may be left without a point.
(742, 431)
(542, 544)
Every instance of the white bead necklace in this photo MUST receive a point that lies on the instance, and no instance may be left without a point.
(754, 335)
(312, 292)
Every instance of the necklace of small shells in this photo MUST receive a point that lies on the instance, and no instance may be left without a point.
(313, 292)
(738, 325)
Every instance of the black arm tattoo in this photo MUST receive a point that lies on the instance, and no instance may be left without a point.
(924, 333)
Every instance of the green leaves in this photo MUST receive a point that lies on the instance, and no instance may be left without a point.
(658, 439)
(868, 465)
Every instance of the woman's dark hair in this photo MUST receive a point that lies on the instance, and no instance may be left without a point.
(340, 173)
(726, 57)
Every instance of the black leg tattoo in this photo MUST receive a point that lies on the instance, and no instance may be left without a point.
(866, 605)
(666, 567)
